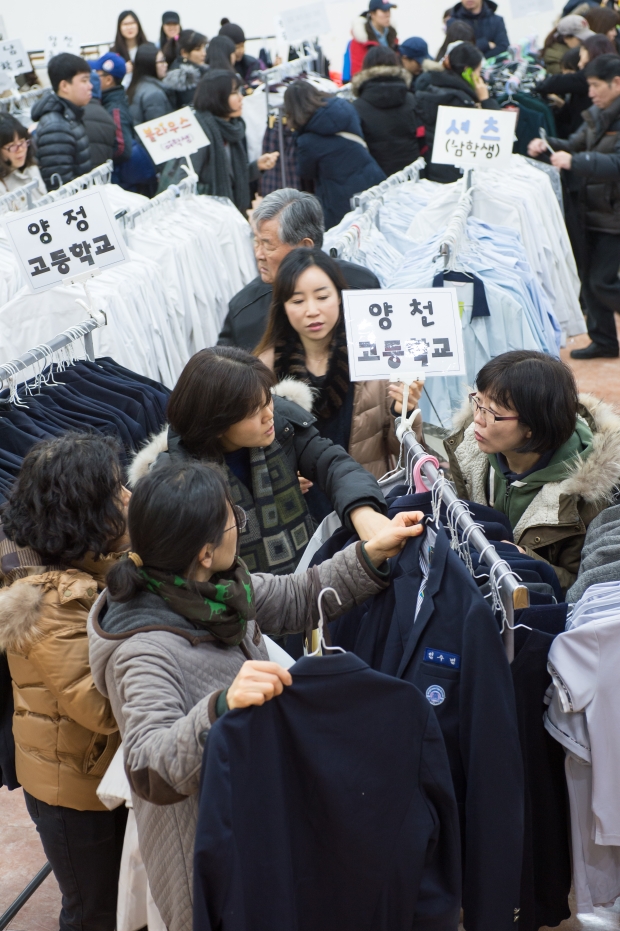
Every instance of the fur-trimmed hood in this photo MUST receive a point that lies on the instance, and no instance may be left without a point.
(20, 611)
(360, 30)
(289, 388)
(185, 76)
(392, 72)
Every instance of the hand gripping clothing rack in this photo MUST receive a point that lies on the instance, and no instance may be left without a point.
(512, 592)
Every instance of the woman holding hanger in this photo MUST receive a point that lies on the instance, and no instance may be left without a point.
(183, 620)
(305, 340)
(331, 149)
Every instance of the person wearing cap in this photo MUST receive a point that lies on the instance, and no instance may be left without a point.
(570, 32)
(413, 54)
(99, 125)
(245, 65)
(169, 35)
(373, 27)
(111, 69)
(491, 35)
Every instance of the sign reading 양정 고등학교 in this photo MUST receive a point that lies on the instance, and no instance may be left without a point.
(473, 138)
(403, 333)
(65, 239)
(172, 136)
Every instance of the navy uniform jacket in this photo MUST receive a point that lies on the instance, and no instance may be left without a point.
(455, 656)
(328, 808)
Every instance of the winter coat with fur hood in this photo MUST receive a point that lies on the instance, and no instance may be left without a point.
(64, 729)
(391, 127)
(553, 526)
(181, 82)
(364, 37)
(142, 649)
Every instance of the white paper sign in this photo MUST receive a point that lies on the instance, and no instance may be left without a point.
(58, 42)
(520, 8)
(172, 136)
(473, 138)
(414, 332)
(58, 242)
(304, 22)
(14, 58)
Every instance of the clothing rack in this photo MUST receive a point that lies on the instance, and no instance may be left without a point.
(19, 199)
(455, 230)
(513, 593)
(410, 173)
(102, 174)
(17, 100)
(81, 330)
(184, 188)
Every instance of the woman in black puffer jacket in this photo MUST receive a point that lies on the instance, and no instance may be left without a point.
(392, 130)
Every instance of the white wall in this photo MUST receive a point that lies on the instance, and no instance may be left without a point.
(32, 20)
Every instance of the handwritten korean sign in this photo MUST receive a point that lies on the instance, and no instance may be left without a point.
(473, 138)
(58, 42)
(395, 333)
(65, 239)
(14, 57)
(303, 22)
(172, 136)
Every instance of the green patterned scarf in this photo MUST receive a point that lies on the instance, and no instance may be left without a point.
(223, 605)
(279, 526)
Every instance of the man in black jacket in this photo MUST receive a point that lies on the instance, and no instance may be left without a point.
(285, 220)
(99, 125)
(592, 154)
(111, 69)
(491, 35)
(62, 144)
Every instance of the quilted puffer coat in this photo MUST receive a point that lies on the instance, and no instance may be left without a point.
(62, 143)
(164, 684)
(64, 729)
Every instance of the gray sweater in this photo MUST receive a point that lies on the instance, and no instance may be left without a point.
(163, 678)
(600, 556)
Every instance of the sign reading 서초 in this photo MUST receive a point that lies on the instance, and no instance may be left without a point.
(473, 138)
(172, 136)
(400, 333)
(14, 57)
(65, 239)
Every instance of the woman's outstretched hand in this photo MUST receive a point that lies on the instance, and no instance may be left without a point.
(390, 540)
(267, 161)
(257, 682)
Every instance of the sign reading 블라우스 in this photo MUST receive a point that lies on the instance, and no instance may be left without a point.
(473, 138)
(58, 42)
(172, 136)
(400, 334)
(303, 22)
(65, 239)
(14, 57)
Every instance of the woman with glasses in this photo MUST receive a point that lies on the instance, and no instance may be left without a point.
(17, 164)
(178, 642)
(222, 411)
(147, 96)
(546, 457)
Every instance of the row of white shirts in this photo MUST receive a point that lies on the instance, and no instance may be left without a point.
(188, 258)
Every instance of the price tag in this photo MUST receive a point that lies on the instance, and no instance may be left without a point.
(58, 42)
(63, 240)
(14, 58)
(303, 22)
(172, 136)
(403, 333)
(473, 138)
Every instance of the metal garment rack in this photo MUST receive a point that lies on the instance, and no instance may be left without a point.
(410, 173)
(455, 230)
(21, 199)
(513, 593)
(183, 188)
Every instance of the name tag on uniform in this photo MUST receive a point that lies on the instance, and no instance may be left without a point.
(442, 658)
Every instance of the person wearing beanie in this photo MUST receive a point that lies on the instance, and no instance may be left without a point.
(99, 125)
(169, 35)
(245, 65)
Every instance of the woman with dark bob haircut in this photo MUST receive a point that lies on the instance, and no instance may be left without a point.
(546, 457)
(66, 519)
(17, 163)
(306, 340)
(179, 640)
(222, 411)
(223, 167)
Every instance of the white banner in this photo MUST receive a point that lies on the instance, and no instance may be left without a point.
(58, 42)
(473, 138)
(14, 58)
(304, 22)
(399, 334)
(172, 136)
(65, 239)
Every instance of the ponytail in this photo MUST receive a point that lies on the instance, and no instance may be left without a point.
(124, 581)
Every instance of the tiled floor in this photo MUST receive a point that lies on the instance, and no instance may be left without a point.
(21, 855)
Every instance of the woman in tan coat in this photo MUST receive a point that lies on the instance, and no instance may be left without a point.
(65, 519)
(305, 340)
